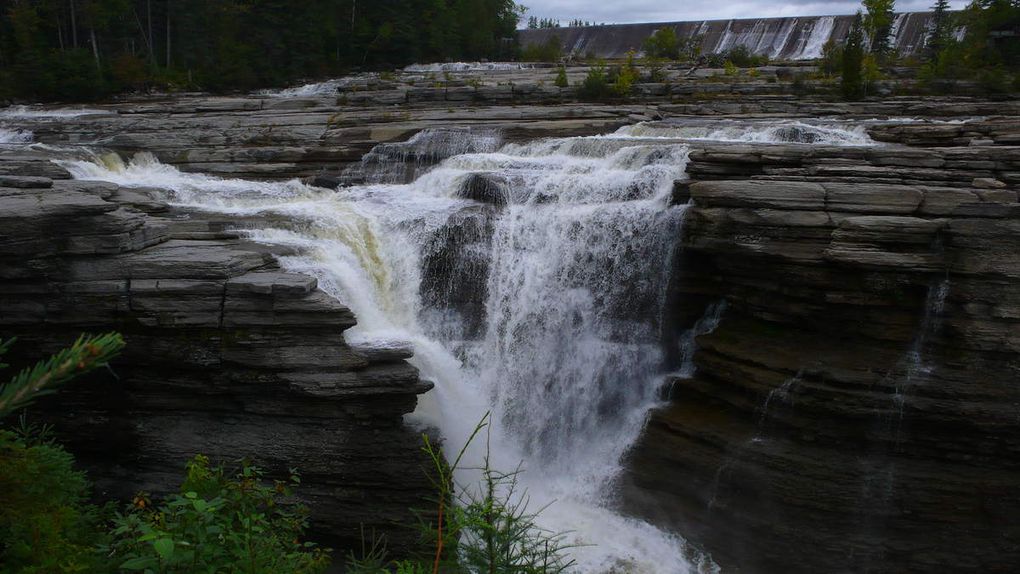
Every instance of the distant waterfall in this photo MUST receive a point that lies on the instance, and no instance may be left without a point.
(794, 38)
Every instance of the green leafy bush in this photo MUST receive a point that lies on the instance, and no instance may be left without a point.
(597, 85)
(46, 524)
(663, 43)
(832, 59)
(484, 527)
(549, 51)
(561, 77)
(742, 57)
(853, 59)
(488, 527)
(219, 524)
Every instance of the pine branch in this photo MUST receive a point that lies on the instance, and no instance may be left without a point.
(86, 354)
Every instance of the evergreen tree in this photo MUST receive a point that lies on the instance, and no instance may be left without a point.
(940, 32)
(84, 49)
(878, 23)
(853, 58)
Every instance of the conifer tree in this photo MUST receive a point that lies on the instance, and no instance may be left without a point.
(853, 58)
(86, 354)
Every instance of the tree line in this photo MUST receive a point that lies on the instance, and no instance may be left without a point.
(980, 42)
(87, 49)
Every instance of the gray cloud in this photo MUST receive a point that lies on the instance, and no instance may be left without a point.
(624, 11)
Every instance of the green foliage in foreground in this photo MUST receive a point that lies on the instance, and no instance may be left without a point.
(483, 527)
(231, 523)
(218, 523)
(46, 524)
(86, 354)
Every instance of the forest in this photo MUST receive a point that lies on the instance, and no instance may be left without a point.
(88, 49)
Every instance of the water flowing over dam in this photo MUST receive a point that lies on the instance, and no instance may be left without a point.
(530, 280)
(790, 38)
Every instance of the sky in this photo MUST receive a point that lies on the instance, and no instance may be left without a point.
(624, 11)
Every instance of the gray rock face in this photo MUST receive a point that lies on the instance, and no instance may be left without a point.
(855, 410)
(227, 356)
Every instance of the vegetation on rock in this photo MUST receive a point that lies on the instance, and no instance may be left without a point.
(217, 523)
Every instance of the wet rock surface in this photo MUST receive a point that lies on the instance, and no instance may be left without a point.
(855, 410)
(227, 355)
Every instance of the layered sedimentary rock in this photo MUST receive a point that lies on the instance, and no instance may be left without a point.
(856, 407)
(853, 409)
(226, 355)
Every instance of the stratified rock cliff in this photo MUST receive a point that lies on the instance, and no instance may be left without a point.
(856, 408)
(226, 355)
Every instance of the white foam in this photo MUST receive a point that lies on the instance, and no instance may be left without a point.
(771, 132)
(467, 67)
(15, 136)
(35, 112)
(568, 372)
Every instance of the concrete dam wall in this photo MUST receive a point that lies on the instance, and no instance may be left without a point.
(799, 38)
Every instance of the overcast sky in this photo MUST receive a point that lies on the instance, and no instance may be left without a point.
(622, 11)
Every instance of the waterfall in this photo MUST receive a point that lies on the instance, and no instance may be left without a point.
(467, 67)
(688, 340)
(38, 112)
(821, 30)
(916, 360)
(530, 280)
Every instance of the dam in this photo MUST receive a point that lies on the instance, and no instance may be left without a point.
(791, 38)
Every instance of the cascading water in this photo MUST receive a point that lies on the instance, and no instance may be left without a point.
(15, 136)
(820, 33)
(786, 131)
(35, 112)
(467, 67)
(568, 256)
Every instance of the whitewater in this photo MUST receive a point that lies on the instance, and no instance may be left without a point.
(531, 281)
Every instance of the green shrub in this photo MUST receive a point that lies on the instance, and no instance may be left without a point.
(488, 528)
(832, 59)
(626, 77)
(730, 68)
(46, 524)
(480, 528)
(561, 77)
(656, 70)
(663, 43)
(853, 59)
(596, 85)
(549, 51)
(742, 57)
(217, 523)
(994, 81)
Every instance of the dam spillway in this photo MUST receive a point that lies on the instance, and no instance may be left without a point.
(790, 38)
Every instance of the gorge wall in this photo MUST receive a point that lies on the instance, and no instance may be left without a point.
(792, 38)
(837, 321)
(860, 382)
(226, 355)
